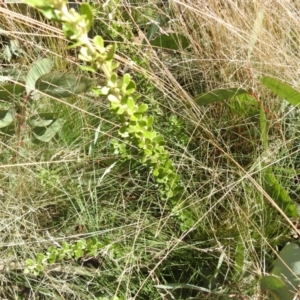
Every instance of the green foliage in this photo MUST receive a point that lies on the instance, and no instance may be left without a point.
(47, 133)
(135, 126)
(282, 90)
(9, 90)
(39, 82)
(171, 41)
(84, 247)
(63, 85)
(270, 183)
(287, 266)
(273, 187)
(275, 287)
(284, 282)
(218, 95)
(37, 70)
(244, 106)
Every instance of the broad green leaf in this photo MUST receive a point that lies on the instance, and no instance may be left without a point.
(287, 266)
(171, 41)
(86, 10)
(155, 26)
(6, 117)
(62, 85)
(282, 90)
(41, 120)
(9, 90)
(45, 134)
(276, 287)
(278, 193)
(38, 69)
(218, 95)
(244, 105)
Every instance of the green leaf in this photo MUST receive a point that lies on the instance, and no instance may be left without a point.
(278, 193)
(86, 10)
(171, 41)
(62, 85)
(287, 266)
(142, 108)
(155, 26)
(244, 105)
(218, 95)
(87, 69)
(9, 90)
(30, 262)
(282, 90)
(110, 51)
(45, 134)
(99, 43)
(6, 117)
(38, 69)
(41, 120)
(276, 287)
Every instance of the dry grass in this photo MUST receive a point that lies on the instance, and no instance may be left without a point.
(53, 190)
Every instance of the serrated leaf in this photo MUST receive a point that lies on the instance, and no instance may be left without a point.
(276, 287)
(282, 90)
(6, 117)
(45, 134)
(171, 41)
(9, 90)
(218, 95)
(287, 266)
(38, 69)
(273, 187)
(41, 120)
(244, 105)
(110, 51)
(62, 85)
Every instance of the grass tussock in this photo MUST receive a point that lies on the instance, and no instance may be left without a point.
(78, 186)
